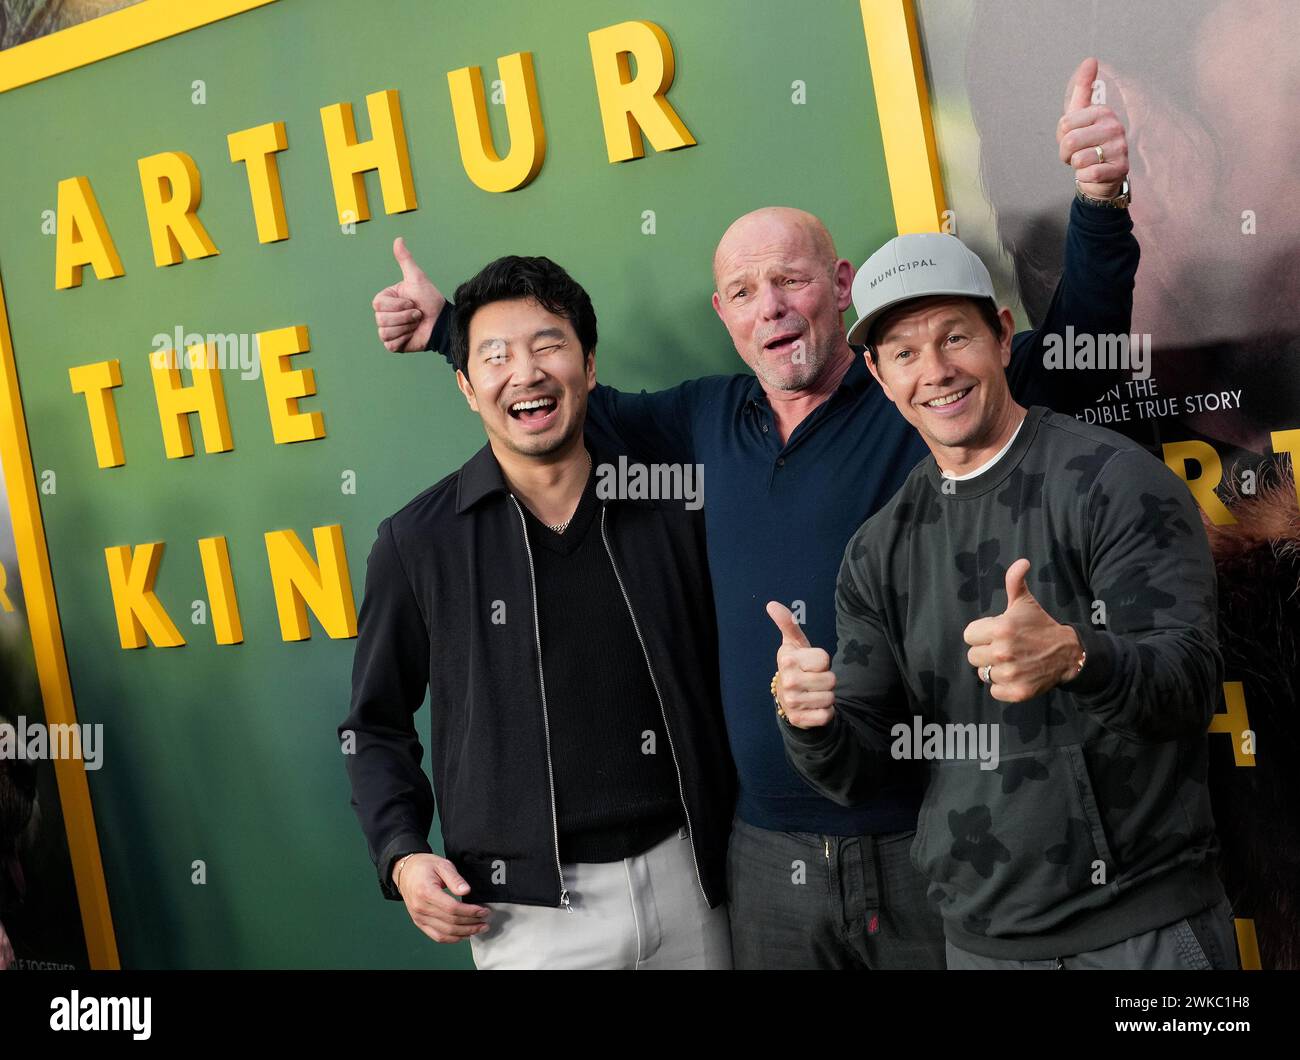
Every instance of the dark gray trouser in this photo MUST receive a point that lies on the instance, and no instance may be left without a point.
(1201, 942)
(802, 900)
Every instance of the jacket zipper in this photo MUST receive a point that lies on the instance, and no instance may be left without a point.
(546, 723)
(681, 791)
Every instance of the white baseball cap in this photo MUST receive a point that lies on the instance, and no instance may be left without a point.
(915, 266)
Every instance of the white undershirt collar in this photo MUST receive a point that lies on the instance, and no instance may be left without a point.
(984, 467)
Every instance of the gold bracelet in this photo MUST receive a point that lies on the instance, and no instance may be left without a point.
(1078, 666)
(780, 710)
(401, 864)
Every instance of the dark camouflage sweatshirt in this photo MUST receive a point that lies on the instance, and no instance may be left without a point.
(1096, 825)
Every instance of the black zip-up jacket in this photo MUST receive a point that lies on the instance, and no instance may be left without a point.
(449, 606)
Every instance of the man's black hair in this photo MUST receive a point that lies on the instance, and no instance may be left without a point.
(988, 310)
(517, 277)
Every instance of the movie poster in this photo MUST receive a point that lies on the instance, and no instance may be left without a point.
(1207, 92)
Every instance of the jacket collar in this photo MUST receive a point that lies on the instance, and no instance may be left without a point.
(481, 475)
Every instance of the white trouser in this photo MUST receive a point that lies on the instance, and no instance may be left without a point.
(642, 912)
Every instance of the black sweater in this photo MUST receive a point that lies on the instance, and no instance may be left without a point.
(615, 791)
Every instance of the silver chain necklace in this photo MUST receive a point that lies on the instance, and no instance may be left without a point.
(559, 528)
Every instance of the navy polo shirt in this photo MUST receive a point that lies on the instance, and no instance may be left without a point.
(778, 519)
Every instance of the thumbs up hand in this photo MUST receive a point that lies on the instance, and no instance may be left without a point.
(1086, 126)
(406, 311)
(1026, 651)
(805, 686)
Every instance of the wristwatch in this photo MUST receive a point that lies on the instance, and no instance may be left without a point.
(1119, 202)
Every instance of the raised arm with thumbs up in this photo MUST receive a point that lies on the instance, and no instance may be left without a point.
(1022, 652)
(839, 713)
(406, 311)
(1091, 137)
(805, 686)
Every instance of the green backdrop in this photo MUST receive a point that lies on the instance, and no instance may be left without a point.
(229, 754)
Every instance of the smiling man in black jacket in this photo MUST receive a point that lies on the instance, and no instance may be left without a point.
(578, 752)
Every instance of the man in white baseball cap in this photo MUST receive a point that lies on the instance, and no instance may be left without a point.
(1068, 825)
(929, 263)
(918, 285)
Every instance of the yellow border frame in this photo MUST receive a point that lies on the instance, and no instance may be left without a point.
(916, 189)
(51, 663)
(112, 34)
(119, 31)
(903, 104)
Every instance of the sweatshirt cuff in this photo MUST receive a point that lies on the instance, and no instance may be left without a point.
(440, 336)
(1098, 673)
(408, 843)
(1100, 219)
(811, 739)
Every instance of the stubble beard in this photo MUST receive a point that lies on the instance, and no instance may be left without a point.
(802, 376)
(536, 447)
